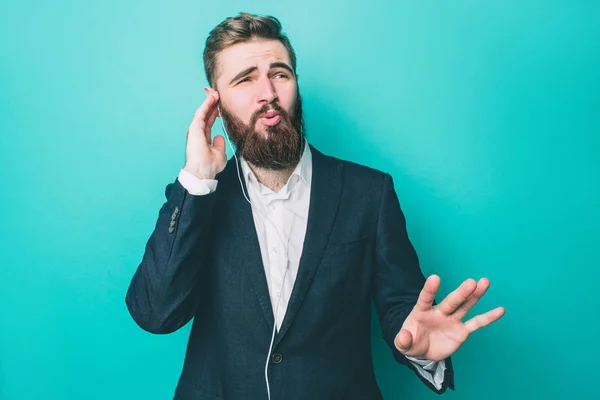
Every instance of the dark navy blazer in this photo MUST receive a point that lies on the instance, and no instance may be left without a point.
(203, 261)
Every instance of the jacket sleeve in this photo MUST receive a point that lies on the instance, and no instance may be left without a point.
(398, 278)
(172, 277)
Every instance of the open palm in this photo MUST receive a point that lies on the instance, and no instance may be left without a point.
(436, 332)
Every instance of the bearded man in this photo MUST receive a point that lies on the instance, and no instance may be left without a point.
(278, 253)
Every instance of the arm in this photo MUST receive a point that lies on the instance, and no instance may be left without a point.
(172, 277)
(398, 281)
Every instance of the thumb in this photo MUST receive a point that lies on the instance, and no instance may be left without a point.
(219, 143)
(403, 340)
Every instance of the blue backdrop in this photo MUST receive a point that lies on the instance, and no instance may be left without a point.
(485, 113)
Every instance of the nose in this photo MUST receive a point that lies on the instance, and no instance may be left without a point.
(267, 93)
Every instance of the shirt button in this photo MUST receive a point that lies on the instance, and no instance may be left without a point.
(276, 358)
(274, 250)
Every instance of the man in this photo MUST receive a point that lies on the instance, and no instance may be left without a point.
(278, 265)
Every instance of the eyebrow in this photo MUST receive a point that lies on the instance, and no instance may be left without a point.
(249, 70)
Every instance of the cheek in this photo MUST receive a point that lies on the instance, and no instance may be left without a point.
(241, 106)
(288, 97)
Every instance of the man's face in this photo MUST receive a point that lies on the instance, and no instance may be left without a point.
(260, 103)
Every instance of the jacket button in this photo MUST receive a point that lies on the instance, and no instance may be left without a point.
(173, 220)
(175, 214)
(276, 358)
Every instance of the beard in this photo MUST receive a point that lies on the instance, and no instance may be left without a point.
(277, 147)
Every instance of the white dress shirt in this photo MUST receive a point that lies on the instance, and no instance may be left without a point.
(282, 240)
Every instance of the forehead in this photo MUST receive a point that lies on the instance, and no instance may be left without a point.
(239, 56)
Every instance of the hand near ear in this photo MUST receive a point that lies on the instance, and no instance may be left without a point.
(203, 159)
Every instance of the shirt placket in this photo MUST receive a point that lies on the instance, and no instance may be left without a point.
(277, 256)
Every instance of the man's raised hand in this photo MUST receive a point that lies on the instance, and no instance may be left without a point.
(203, 159)
(436, 332)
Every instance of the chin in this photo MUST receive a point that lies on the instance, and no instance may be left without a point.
(267, 130)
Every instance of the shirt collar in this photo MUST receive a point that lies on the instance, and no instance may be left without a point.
(303, 169)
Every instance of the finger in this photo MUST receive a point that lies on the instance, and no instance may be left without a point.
(219, 143)
(201, 115)
(482, 286)
(484, 319)
(427, 295)
(403, 340)
(198, 126)
(457, 297)
(210, 122)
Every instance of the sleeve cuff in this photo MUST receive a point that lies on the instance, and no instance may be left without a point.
(433, 371)
(196, 186)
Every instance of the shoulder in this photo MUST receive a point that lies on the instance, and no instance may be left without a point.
(354, 172)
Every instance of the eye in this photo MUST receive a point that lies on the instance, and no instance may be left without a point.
(281, 74)
(244, 80)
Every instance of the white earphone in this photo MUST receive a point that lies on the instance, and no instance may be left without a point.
(284, 246)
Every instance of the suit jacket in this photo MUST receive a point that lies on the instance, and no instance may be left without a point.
(203, 261)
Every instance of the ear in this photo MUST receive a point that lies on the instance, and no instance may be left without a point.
(208, 90)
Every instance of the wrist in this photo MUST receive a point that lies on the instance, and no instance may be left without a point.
(199, 172)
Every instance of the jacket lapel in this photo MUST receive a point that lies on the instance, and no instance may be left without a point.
(245, 237)
(326, 188)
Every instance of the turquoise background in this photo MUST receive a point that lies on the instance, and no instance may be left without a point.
(485, 113)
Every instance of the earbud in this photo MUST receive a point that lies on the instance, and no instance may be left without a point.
(238, 167)
(219, 110)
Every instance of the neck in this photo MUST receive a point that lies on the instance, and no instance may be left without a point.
(272, 179)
